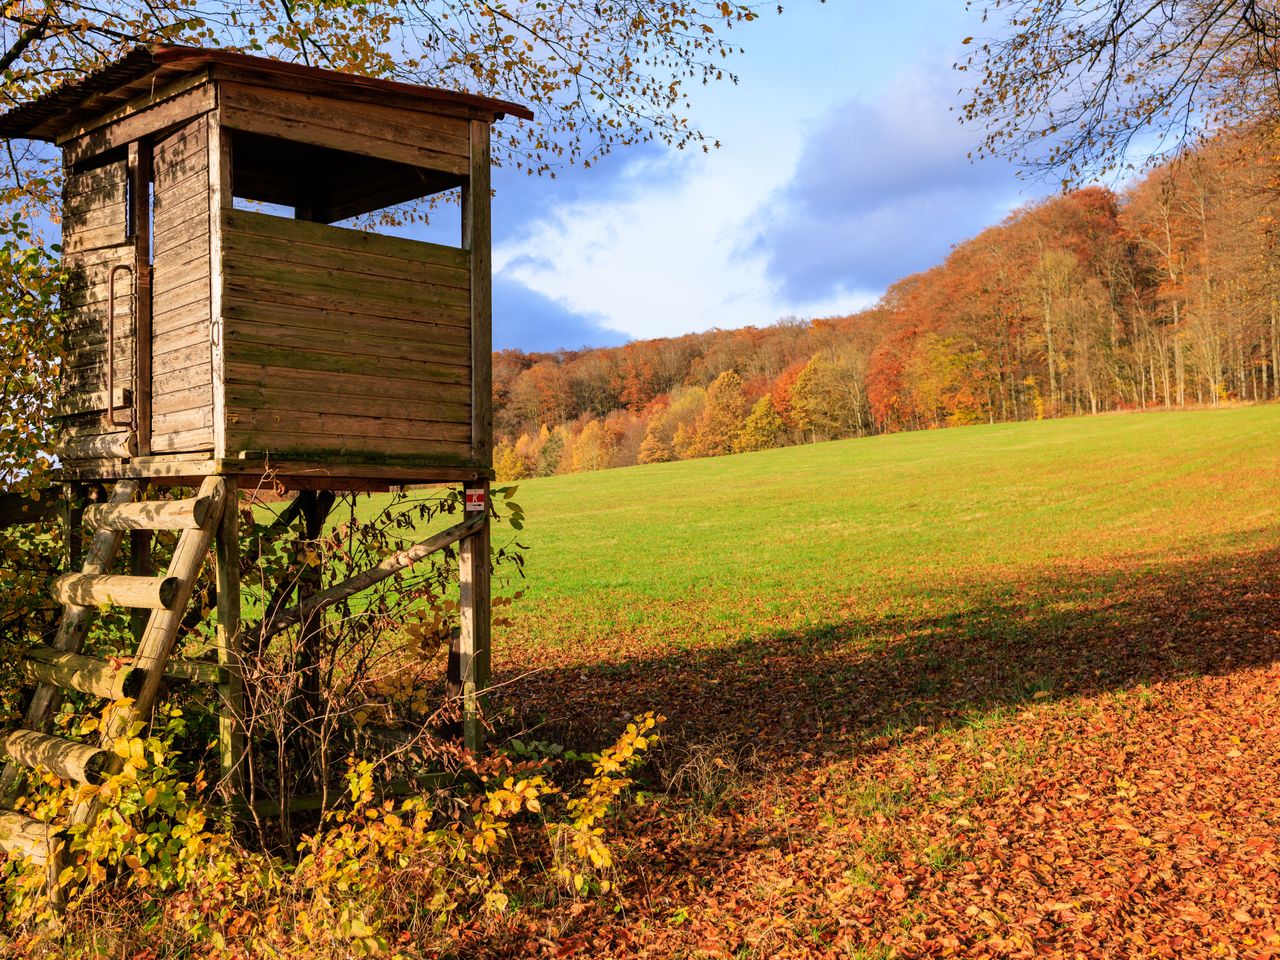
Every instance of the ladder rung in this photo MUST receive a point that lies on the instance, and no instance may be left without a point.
(66, 758)
(149, 515)
(22, 836)
(74, 671)
(95, 589)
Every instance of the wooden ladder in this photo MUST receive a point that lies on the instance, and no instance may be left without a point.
(61, 666)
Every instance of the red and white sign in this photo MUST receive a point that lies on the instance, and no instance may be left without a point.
(475, 501)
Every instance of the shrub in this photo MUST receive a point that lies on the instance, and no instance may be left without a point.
(379, 876)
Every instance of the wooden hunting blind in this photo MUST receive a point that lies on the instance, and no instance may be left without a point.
(227, 321)
(206, 336)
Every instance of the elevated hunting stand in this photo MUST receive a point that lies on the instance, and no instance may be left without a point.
(210, 345)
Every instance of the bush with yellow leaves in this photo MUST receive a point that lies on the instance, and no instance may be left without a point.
(381, 876)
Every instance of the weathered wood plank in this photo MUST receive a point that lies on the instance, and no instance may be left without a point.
(90, 401)
(151, 97)
(191, 287)
(177, 353)
(354, 343)
(186, 172)
(348, 262)
(362, 302)
(112, 214)
(439, 133)
(139, 170)
(191, 320)
(184, 421)
(181, 363)
(298, 131)
(326, 321)
(107, 179)
(176, 232)
(359, 129)
(79, 239)
(187, 398)
(249, 378)
(107, 195)
(343, 90)
(180, 441)
(150, 120)
(276, 398)
(179, 210)
(247, 223)
(179, 256)
(245, 351)
(374, 428)
(403, 296)
(324, 445)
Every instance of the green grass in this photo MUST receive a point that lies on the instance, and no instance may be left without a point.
(719, 548)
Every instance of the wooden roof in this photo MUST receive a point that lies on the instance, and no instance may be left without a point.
(144, 68)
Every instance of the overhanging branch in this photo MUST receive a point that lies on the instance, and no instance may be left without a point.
(389, 567)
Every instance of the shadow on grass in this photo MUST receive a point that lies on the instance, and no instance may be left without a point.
(792, 694)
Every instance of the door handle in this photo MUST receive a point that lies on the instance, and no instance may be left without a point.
(111, 346)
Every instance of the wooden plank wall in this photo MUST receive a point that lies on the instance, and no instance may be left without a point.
(340, 342)
(431, 141)
(182, 374)
(95, 239)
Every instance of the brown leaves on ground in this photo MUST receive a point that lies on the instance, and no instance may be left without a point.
(1083, 766)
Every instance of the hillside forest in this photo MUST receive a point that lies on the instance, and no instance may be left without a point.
(1165, 294)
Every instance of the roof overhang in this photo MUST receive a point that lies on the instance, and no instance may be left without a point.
(147, 67)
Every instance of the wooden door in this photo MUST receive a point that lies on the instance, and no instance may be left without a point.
(101, 254)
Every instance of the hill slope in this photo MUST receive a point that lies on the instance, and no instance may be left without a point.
(784, 537)
(1000, 691)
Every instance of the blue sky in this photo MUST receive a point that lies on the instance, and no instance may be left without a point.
(841, 169)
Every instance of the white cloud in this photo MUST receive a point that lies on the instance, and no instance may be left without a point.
(668, 257)
(841, 171)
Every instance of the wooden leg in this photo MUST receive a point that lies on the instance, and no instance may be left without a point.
(315, 511)
(139, 566)
(72, 521)
(473, 642)
(231, 728)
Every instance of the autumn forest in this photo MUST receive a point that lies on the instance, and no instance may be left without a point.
(1163, 295)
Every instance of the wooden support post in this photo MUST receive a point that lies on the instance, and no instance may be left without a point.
(472, 661)
(72, 524)
(231, 728)
(139, 566)
(476, 233)
(220, 201)
(316, 508)
(139, 169)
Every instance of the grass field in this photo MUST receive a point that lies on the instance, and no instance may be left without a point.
(1004, 690)
(713, 549)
